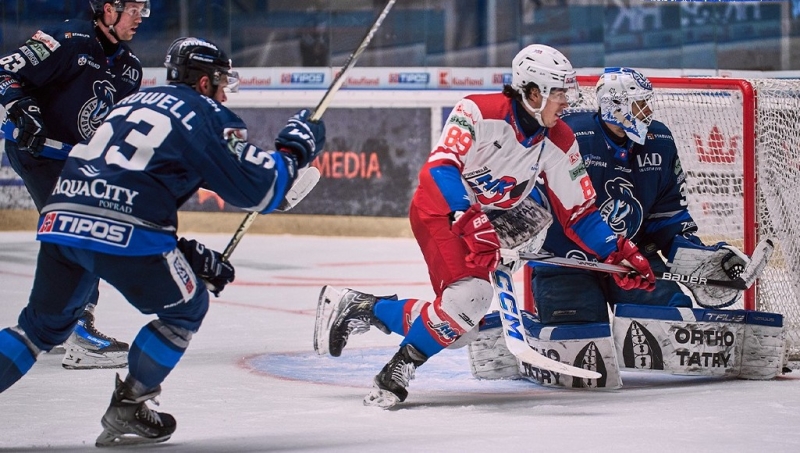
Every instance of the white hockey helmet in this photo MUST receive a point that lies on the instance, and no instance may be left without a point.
(546, 67)
(624, 96)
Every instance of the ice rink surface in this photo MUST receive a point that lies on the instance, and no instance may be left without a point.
(251, 382)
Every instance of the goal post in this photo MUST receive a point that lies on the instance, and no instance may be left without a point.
(739, 144)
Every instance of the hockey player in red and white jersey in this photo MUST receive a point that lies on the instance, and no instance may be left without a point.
(491, 151)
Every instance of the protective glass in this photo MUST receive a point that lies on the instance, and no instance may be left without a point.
(233, 82)
(136, 9)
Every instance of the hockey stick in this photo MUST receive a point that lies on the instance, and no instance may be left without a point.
(514, 331)
(305, 186)
(757, 264)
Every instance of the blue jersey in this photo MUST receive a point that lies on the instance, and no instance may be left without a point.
(119, 193)
(641, 189)
(73, 80)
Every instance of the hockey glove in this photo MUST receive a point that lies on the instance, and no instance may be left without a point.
(474, 227)
(629, 255)
(207, 264)
(302, 138)
(721, 261)
(30, 133)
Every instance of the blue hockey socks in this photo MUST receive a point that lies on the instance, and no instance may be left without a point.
(156, 350)
(16, 357)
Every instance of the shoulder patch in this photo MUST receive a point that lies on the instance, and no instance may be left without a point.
(50, 42)
(561, 135)
(492, 106)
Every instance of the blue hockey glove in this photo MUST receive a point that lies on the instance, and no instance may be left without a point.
(207, 264)
(302, 138)
(30, 133)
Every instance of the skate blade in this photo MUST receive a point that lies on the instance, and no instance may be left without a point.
(85, 360)
(113, 438)
(326, 313)
(384, 399)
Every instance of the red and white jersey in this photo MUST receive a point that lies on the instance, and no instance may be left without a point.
(498, 164)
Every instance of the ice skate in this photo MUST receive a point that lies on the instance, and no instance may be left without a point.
(128, 420)
(341, 313)
(391, 383)
(87, 348)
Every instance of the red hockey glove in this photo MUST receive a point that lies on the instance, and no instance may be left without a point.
(474, 227)
(629, 255)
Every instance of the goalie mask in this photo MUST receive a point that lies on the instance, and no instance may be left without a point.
(624, 96)
(189, 59)
(549, 69)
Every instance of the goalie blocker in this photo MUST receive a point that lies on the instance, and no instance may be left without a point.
(682, 341)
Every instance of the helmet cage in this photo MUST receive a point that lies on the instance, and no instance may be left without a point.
(624, 96)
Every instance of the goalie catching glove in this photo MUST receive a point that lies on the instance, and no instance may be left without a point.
(207, 264)
(474, 227)
(628, 254)
(722, 261)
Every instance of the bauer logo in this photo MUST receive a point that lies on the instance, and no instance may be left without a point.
(420, 78)
(82, 226)
(302, 78)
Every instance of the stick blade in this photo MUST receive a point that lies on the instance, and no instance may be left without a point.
(758, 261)
(307, 179)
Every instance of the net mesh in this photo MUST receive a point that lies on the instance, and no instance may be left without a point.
(709, 124)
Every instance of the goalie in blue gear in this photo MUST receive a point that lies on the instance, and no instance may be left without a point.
(155, 150)
(53, 102)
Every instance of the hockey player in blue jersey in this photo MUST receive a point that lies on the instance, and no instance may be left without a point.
(56, 89)
(113, 216)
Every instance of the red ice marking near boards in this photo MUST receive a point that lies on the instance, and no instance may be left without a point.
(370, 263)
(230, 303)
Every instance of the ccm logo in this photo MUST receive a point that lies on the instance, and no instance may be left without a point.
(86, 227)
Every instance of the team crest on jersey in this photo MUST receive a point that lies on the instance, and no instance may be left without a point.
(621, 211)
(494, 191)
(96, 108)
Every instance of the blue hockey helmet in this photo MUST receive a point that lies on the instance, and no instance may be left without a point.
(119, 6)
(188, 59)
(624, 96)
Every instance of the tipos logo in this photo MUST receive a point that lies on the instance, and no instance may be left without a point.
(640, 350)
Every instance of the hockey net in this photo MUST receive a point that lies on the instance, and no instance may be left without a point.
(739, 144)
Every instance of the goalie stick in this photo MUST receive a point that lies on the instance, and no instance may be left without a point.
(758, 261)
(514, 331)
(304, 187)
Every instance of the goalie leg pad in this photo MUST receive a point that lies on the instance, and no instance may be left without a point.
(589, 346)
(699, 342)
(489, 358)
(764, 346)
